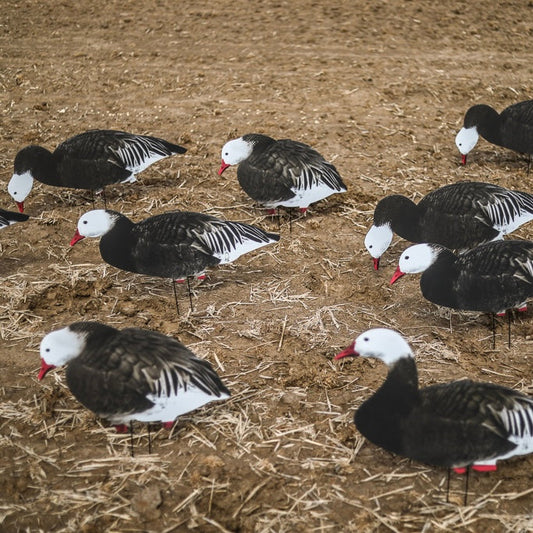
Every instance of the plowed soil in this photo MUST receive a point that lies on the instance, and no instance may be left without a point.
(380, 89)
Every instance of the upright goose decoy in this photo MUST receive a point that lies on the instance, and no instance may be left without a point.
(90, 161)
(173, 245)
(512, 128)
(10, 217)
(280, 172)
(491, 278)
(130, 374)
(459, 216)
(455, 425)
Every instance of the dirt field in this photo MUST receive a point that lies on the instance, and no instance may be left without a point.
(380, 89)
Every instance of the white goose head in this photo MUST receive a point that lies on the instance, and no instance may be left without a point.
(234, 152)
(58, 348)
(465, 140)
(377, 241)
(19, 187)
(94, 223)
(381, 343)
(416, 259)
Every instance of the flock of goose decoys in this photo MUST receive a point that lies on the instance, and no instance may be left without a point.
(136, 374)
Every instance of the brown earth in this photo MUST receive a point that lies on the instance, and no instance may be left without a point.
(380, 89)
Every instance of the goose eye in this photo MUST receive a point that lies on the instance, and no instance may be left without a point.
(47, 350)
(366, 339)
(406, 257)
(85, 222)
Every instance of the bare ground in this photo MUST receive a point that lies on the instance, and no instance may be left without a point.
(379, 88)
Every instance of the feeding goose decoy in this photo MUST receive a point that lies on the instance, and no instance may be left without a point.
(454, 425)
(490, 278)
(11, 217)
(175, 245)
(459, 216)
(281, 172)
(91, 160)
(512, 128)
(130, 374)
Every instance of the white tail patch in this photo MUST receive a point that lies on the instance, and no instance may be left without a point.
(515, 223)
(138, 153)
(169, 407)
(509, 211)
(526, 273)
(305, 197)
(136, 164)
(229, 240)
(519, 424)
(245, 246)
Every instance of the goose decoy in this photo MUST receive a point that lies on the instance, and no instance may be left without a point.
(130, 374)
(459, 216)
(280, 172)
(90, 161)
(10, 217)
(512, 128)
(455, 425)
(173, 245)
(490, 278)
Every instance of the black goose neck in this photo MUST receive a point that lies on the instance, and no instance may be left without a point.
(487, 121)
(399, 392)
(37, 160)
(380, 418)
(403, 377)
(436, 283)
(401, 214)
(446, 260)
(96, 334)
(258, 140)
(116, 245)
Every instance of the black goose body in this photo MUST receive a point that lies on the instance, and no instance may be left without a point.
(162, 245)
(262, 176)
(512, 128)
(11, 217)
(284, 172)
(131, 374)
(458, 216)
(454, 424)
(91, 160)
(173, 245)
(412, 422)
(491, 278)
